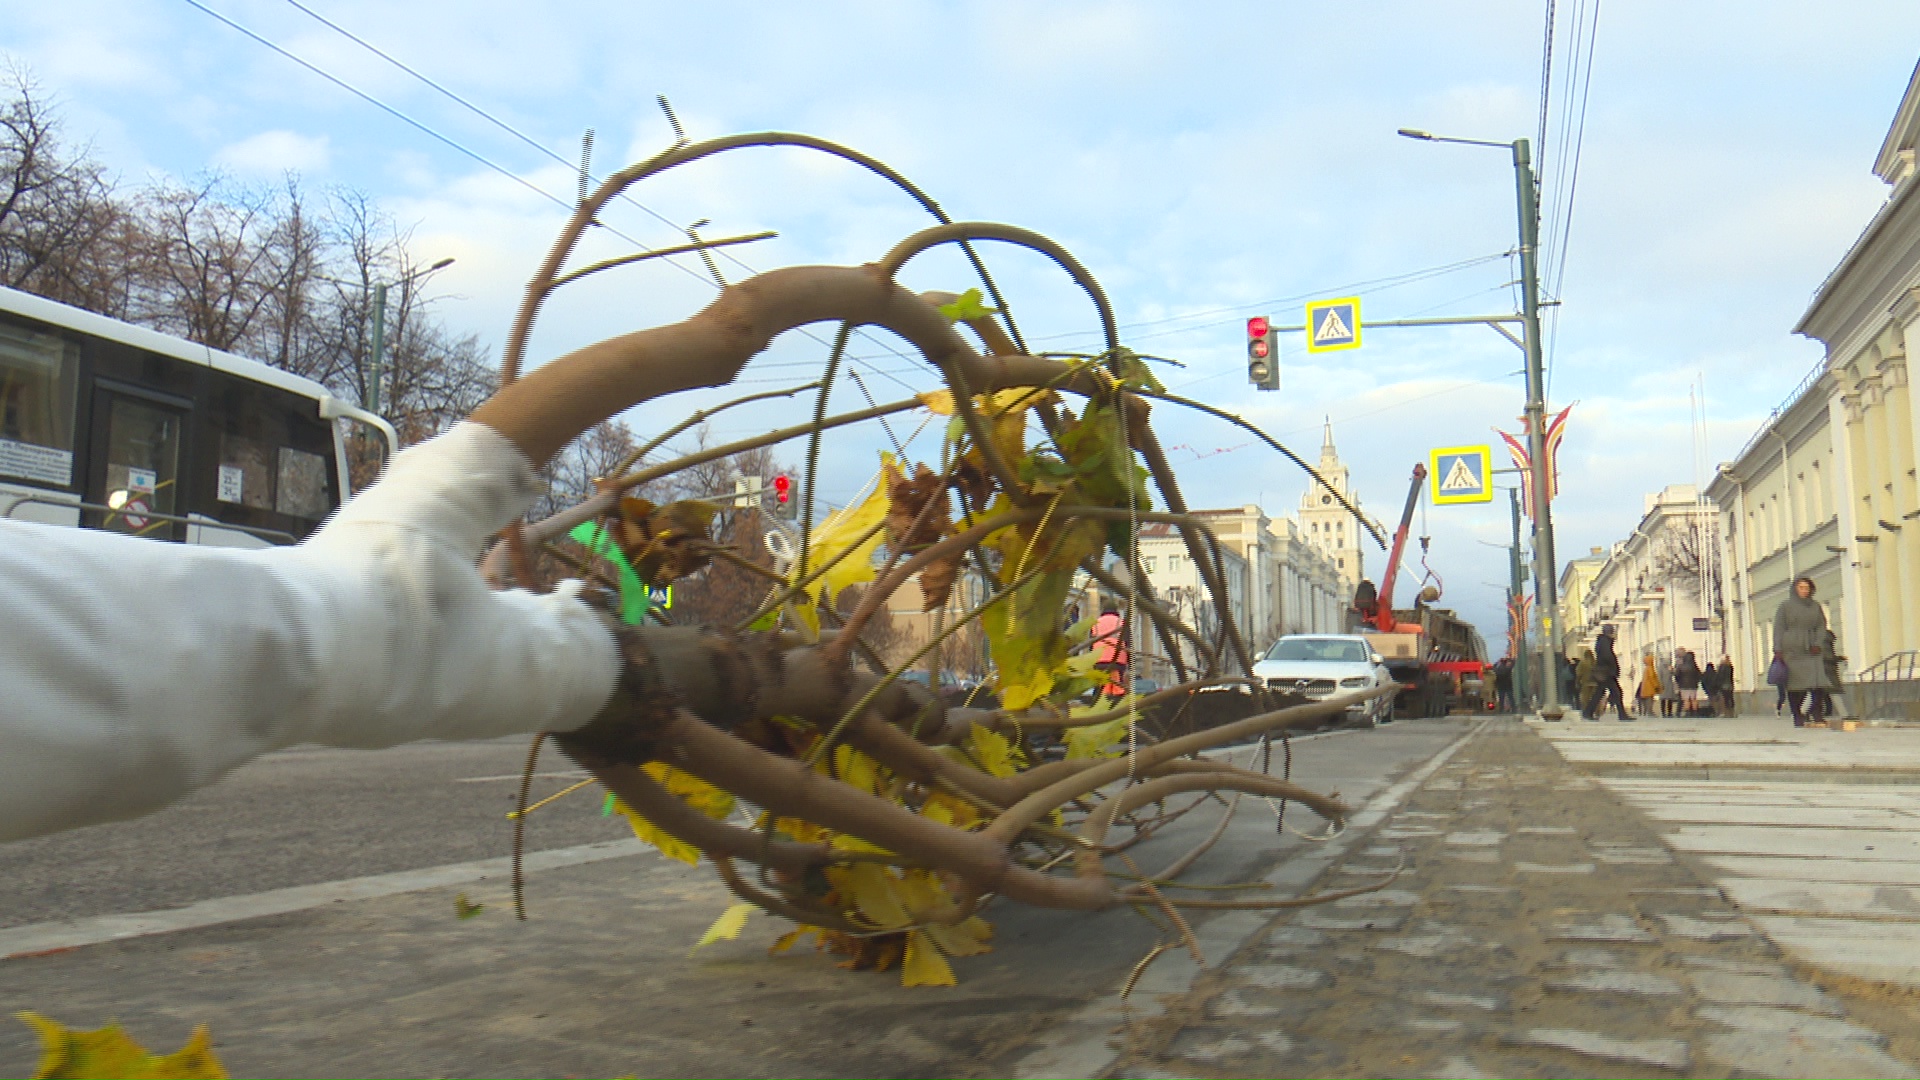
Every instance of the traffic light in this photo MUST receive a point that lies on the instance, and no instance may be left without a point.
(784, 504)
(1263, 354)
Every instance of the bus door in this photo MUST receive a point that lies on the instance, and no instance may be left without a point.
(134, 459)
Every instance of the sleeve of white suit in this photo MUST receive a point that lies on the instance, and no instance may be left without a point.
(133, 672)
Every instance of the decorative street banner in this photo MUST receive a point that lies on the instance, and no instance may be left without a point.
(1517, 449)
(1517, 624)
(1333, 325)
(1461, 474)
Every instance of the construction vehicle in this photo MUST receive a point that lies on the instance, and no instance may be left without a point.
(1437, 657)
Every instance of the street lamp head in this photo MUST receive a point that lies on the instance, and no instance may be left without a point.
(441, 265)
(1416, 133)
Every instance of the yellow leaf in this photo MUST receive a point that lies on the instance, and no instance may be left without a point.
(839, 533)
(994, 752)
(727, 927)
(194, 1061)
(856, 769)
(671, 846)
(1098, 740)
(786, 941)
(969, 938)
(940, 401)
(873, 892)
(924, 966)
(109, 1054)
(844, 842)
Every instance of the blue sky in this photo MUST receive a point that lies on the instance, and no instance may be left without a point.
(1206, 161)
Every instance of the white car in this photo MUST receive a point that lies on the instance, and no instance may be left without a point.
(1317, 665)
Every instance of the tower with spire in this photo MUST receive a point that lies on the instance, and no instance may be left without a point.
(1327, 524)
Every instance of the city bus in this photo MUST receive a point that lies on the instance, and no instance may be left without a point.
(107, 425)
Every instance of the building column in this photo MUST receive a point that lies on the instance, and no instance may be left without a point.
(1853, 618)
(1877, 436)
(1897, 400)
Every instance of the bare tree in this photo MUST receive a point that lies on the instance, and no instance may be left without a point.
(63, 234)
(1686, 559)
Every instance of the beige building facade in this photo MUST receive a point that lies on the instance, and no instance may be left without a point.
(1780, 518)
(1660, 586)
(1576, 580)
(1843, 506)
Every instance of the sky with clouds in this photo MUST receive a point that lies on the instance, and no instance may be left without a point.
(1206, 161)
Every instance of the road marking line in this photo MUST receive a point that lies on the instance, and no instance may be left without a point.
(577, 774)
(18, 942)
(1082, 1042)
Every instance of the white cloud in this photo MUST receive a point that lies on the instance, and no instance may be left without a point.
(273, 152)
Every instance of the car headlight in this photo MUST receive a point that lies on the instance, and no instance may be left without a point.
(1356, 683)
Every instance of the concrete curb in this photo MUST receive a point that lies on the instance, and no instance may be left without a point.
(1755, 774)
(1082, 1043)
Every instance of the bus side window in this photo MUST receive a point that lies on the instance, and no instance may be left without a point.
(39, 375)
(273, 466)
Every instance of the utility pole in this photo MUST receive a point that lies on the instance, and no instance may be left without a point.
(1546, 584)
(1516, 588)
(379, 345)
(380, 329)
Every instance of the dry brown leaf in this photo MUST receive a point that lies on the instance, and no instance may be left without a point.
(906, 531)
(666, 543)
(936, 581)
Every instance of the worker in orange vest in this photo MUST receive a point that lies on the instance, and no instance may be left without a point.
(1110, 649)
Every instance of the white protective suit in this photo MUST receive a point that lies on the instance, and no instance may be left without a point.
(133, 672)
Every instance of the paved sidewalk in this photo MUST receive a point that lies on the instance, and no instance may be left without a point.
(1814, 833)
(1540, 928)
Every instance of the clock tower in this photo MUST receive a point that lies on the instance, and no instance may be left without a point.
(1327, 524)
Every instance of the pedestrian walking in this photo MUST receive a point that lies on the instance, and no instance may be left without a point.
(1503, 685)
(1606, 678)
(1649, 686)
(1800, 638)
(1686, 673)
(1727, 705)
(1833, 661)
(1669, 690)
(1777, 678)
(1583, 680)
(1110, 650)
(1569, 679)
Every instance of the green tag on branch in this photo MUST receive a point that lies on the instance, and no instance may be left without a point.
(633, 591)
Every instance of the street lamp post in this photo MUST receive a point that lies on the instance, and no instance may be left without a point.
(1546, 586)
(380, 329)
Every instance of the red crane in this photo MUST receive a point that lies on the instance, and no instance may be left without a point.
(1382, 614)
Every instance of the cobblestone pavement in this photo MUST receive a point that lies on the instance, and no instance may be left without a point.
(1539, 928)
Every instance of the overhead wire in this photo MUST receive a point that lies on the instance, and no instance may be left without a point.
(477, 157)
(1360, 288)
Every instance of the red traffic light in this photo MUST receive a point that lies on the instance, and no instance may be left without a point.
(1257, 326)
(782, 486)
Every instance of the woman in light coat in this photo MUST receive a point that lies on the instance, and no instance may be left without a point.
(1800, 638)
(1669, 690)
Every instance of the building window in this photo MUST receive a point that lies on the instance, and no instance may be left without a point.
(1149, 560)
(1173, 563)
(1343, 564)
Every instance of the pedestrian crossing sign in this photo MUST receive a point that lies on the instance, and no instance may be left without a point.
(1333, 325)
(1462, 474)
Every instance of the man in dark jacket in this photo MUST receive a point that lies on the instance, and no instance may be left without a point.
(1503, 684)
(1606, 678)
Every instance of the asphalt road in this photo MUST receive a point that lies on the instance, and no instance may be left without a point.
(600, 982)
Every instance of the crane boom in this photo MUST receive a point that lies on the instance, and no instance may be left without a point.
(1382, 615)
